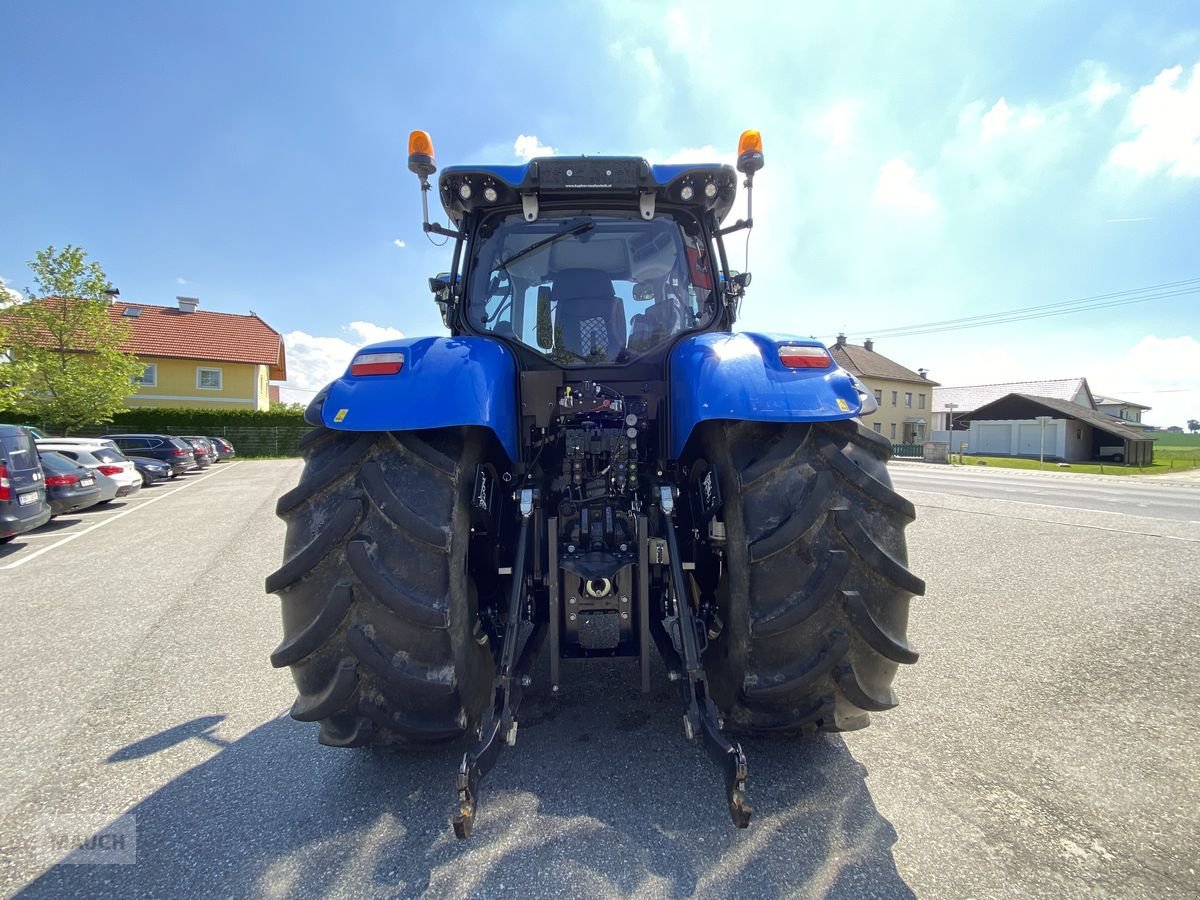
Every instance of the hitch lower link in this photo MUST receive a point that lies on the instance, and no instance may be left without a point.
(499, 726)
(701, 716)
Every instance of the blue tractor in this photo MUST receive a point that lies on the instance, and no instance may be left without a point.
(592, 456)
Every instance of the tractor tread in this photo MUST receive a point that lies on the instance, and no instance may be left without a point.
(815, 503)
(323, 477)
(376, 595)
(306, 642)
(866, 482)
(426, 453)
(397, 511)
(407, 679)
(874, 555)
(815, 590)
(342, 683)
(340, 524)
(789, 683)
(798, 607)
(404, 602)
(849, 685)
(859, 615)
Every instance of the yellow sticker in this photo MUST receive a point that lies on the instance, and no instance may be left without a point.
(842, 405)
(341, 414)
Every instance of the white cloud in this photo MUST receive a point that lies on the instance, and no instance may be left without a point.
(838, 124)
(399, 243)
(7, 294)
(528, 146)
(692, 156)
(315, 361)
(1102, 89)
(182, 280)
(1162, 373)
(899, 189)
(1165, 115)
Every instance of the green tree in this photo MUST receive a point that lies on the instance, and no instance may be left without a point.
(1193, 426)
(64, 363)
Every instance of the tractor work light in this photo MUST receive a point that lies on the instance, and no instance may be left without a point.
(710, 190)
(796, 356)
(388, 362)
(750, 152)
(420, 154)
(489, 194)
(686, 192)
(464, 191)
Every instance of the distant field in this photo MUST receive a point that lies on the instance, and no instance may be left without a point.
(1165, 439)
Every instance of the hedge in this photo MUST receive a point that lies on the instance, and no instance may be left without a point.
(266, 433)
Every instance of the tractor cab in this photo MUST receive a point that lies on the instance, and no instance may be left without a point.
(581, 262)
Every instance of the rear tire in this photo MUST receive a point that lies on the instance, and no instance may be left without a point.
(816, 588)
(379, 619)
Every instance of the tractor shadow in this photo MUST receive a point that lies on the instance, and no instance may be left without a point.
(602, 796)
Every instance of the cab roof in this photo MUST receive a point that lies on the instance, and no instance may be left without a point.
(627, 179)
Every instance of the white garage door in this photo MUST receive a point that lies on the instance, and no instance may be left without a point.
(1029, 440)
(995, 439)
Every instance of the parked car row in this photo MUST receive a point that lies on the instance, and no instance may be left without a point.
(43, 477)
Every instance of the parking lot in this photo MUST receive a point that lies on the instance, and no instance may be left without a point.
(1045, 743)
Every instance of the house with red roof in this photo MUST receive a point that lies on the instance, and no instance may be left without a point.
(201, 360)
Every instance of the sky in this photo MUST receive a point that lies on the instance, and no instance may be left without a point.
(925, 162)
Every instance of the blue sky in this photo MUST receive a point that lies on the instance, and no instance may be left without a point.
(924, 161)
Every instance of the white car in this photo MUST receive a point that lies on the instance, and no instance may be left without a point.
(101, 455)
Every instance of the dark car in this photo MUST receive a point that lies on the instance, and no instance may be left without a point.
(223, 447)
(69, 486)
(23, 505)
(205, 455)
(202, 445)
(151, 470)
(171, 450)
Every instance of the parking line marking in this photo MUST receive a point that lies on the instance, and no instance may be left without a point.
(70, 537)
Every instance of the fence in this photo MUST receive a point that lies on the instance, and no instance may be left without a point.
(908, 451)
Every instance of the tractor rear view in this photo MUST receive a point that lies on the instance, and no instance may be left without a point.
(592, 461)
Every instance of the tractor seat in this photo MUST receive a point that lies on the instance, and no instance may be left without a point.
(589, 319)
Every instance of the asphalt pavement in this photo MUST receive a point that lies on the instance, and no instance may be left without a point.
(1045, 743)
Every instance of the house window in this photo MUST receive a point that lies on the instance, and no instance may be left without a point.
(893, 424)
(148, 378)
(908, 399)
(879, 396)
(893, 404)
(920, 401)
(208, 379)
(878, 425)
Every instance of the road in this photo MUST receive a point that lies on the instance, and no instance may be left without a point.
(1045, 743)
(1154, 497)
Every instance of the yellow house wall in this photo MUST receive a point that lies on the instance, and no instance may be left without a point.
(889, 415)
(242, 385)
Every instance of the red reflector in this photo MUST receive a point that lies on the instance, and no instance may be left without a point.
(797, 357)
(5, 493)
(377, 364)
(111, 470)
(61, 480)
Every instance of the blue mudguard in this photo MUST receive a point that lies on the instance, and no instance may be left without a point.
(740, 376)
(444, 382)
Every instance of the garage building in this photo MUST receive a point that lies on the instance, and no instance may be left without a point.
(1067, 431)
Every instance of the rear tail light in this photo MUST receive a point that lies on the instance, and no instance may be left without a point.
(5, 493)
(178, 451)
(796, 356)
(61, 480)
(388, 363)
(111, 469)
